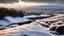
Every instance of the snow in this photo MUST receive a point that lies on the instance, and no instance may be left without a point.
(30, 16)
(44, 15)
(4, 23)
(10, 20)
(16, 19)
(35, 16)
(32, 29)
(19, 19)
(58, 23)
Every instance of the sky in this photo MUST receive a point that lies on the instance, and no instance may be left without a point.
(26, 3)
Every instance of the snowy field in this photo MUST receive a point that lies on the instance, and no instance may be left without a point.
(36, 16)
(33, 29)
(9, 20)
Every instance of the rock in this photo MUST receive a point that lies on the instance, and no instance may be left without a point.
(46, 25)
(25, 35)
(60, 29)
(52, 27)
(12, 25)
(46, 21)
(1, 27)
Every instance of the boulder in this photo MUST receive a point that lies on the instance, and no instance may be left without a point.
(60, 29)
(52, 27)
(1, 27)
(12, 25)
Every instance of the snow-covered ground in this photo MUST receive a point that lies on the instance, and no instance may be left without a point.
(16, 19)
(30, 16)
(11, 20)
(45, 15)
(33, 29)
(35, 16)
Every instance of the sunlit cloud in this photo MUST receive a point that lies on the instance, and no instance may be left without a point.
(23, 4)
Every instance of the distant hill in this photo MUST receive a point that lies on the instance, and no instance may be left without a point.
(45, 8)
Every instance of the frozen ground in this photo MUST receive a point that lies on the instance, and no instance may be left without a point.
(16, 19)
(8, 20)
(35, 16)
(32, 29)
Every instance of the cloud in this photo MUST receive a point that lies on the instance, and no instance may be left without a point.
(5, 1)
(39, 0)
(60, 2)
(27, 3)
(42, 0)
(8, 1)
(36, 1)
(45, 1)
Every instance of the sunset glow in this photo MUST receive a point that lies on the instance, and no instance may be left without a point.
(21, 4)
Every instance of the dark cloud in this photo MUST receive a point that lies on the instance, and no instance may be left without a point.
(8, 1)
(48, 1)
(39, 0)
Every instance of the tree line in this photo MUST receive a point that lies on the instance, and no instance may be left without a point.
(10, 12)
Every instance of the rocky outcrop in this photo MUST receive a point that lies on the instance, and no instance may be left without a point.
(60, 29)
(57, 28)
(53, 27)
